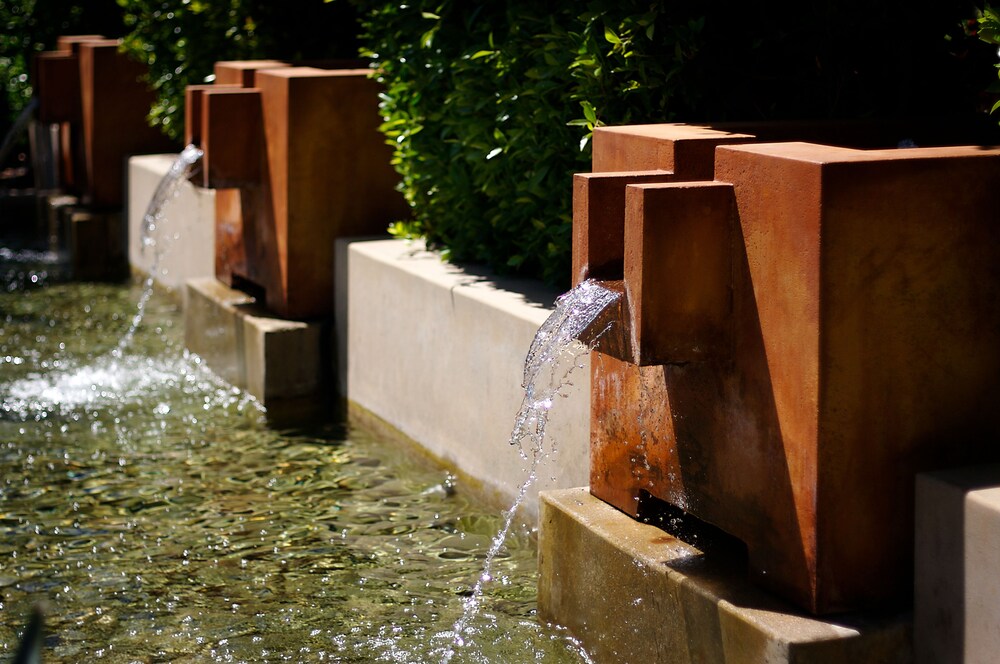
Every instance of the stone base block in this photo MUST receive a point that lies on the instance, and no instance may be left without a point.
(95, 243)
(56, 210)
(633, 593)
(957, 559)
(281, 362)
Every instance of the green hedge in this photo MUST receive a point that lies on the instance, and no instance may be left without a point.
(181, 40)
(489, 106)
(987, 28)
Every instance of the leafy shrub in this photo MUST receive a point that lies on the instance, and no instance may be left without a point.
(480, 106)
(988, 30)
(489, 106)
(180, 41)
(476, 108)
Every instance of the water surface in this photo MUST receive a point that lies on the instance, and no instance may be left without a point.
(162, 519)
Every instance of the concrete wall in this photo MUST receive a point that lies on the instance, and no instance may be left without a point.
(957, 566)
(186, 233)
(438, 353)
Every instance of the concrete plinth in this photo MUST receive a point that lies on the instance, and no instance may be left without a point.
(957, 557)
(278, 361)
(94, 243)
(632, 593)
(185, 237)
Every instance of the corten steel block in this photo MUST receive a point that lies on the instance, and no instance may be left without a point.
(57, 85)
(230, 132)
(632, 155)
(243, 72)
(303, 164)
(71, 43)
(865, 348)
(192, 113)
(686, 150)
(114, 103)
(678, 270)
(599, 221)
(330, 176)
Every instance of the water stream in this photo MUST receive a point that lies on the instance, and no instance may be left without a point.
(554, 354)
(166, 190)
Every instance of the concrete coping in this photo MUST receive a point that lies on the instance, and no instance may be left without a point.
(632, 592)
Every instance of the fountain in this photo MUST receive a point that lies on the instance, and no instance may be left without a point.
(166, 190)
(295, 159)
(553, 356)
(96, 96)
(759, 345)
(801, 335)
(144, 554)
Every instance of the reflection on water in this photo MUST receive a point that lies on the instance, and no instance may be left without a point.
(162, 520)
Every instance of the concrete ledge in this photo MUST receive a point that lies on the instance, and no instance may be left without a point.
(190, 216)
(631, 592)
(438, 353)
(278, 361)
(957, 566)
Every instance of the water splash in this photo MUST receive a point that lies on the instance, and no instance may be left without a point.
(116, 384)
(166, 190)
(554, 354)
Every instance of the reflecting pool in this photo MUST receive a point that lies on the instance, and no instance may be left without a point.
(162, 519)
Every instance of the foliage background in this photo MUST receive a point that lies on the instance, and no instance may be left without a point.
(180, 41)
(489, 106)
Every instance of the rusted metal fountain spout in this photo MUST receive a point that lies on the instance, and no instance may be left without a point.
(297, 161)
(798, 338)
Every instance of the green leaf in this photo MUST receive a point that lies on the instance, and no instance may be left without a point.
(610, 36)
(427, 39)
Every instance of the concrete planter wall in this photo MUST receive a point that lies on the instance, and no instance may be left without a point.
(438, 353)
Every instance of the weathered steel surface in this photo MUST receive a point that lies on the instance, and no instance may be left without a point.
(678, 270)
(688, 151)
(243, 72)
(115, 102)
(97, 94)
(303, 163)
(599, 242)
(865, 346)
